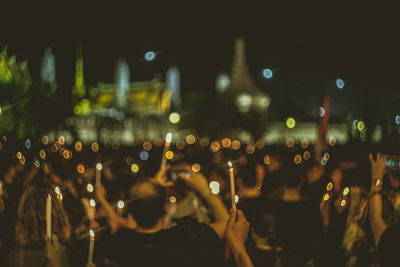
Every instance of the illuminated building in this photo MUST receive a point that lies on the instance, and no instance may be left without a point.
(79, 89)
(174, 86)
(122, 77)
(13, 72)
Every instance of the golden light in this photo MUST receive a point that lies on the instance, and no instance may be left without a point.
(147, 146)
(57, 190)
(174, 117)
(260, 144)
(250, 149)
(61, 140)
(297, 159)
(304, 143)
(57, 145)
(190, 139)
(89, 188)
(346, 191)
(66, 154)
(290, 142)
(378, 182)
(215, 146)
(121, 204)
(95, 147)
(60, 196)
(80, 169)
(236, 198)
(230, 164)
(78, 146)
(99, 166)
(290, 122)
(134, 168)
(180, 144)
(168, 138)
(329, 186)
(235, 144)
(226, 142)
(306, 155)
(172, 199)
(326, 197)
(267, 160)
(92, 203)
(196, 167)
(343, 203)
(360, 126)
(204, 142)
(214, 186)
(169, 154)
(332, 141)
(19, 155)
(22, 160)
(45, 140)
(326, 156)
(91, 234)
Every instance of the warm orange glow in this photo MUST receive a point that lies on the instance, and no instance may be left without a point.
(22, 160)
(215, 146)
(61, 140)
(172, 199)
(45, 140)
(304, 143)
(378, 182)
(204, 142)
(343, 203)
(267, 160)
(191, 139)
(95, 147)
(66, 154)
(19, 155)
(326, 156)
(250, 149)
(332, 141)
(180, 144)
(306, 155)
(78, 146)
(297, 159)
(290, 142)
(226, 142)
(147, 146)
(196, 167)
(260, 144)
(326, 197)
(42, 154)
(169, 154)
(329, 186)
(158, 141)
(80, 169)
(235, 145)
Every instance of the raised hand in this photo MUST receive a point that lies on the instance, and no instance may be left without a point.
(377, 170)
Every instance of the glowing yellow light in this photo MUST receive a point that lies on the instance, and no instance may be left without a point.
(42, 154)
(326, 156)
(57, 190)
(378, 182)
(226, 142)
(235, 145)
(304, 143)
(236, 198)
(267, 160)
(121, 204)
(91, 233)
(215, 146)
(290, 142)
(89, 188)
(80, 169)
(326, 197)
(329, 186)
(174, 118)
(297, 159)
(332, 141)
(61, 140)
(260, 144)
(60, 196)
(78, 146)
(99, 166)
(95, 146)
(66, 154)
(22, 160)
(306, 155)
(290, 122)
(169, 154)
(250, 149)
(45, 140)
(57, 145)
(360, 126)
(190, 139)
(343, 203)
(147, 146)
(196, 167)
(230, 164)
(172, 199)
(168, 138)
(134, 168)
(92, 203)
(180, 144)
(19, 155)
(346, 191)
(204, 142)
(214, 186)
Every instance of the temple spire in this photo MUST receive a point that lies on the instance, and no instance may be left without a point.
(79, 89)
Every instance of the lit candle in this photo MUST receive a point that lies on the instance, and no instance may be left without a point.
(120, 205)
(91, 246)
(232, 182)
(48, 217)
(99, 167)
(168, 140)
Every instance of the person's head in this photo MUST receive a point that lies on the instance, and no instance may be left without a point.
(394, 179)
(31, 216)
(148, 203)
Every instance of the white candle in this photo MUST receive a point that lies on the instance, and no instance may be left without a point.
(167, 144)
(232, 182)
(99, 167)
(48, 217)
(120, 206)
(91, 246)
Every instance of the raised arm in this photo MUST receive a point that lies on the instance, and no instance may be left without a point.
(378, 225)
(112, 216)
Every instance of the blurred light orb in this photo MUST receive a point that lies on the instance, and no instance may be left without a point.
(57, 190)
(45, 140)
(78, 146)
(223, 82)
(144, 155)
(329, 186)
(346, 191)
(89, 188)
(332, 141)
(226, 142)
(235, 144)
(297, 159)
(121, 204)
(215, 146)
(168, 138)
(169, 154)
(134, 168)
(147, 145)
(267, 160)
(339, 83)
(304, 143)
(92, 203)
(19, 155)
(260, 144)
(321, 111)
(190, 139)
(360, 126)
(180, 144)
(204, 142)
(243, 101)
(236, 198)
(343, 203)
(250, 148)
(290, 122)
(61, 140)
(267, 73)
(196, 167)
(149, 56)
(42, 154)
(290, 142)
(174, 118)
(22, 160)
(326, 156)
(172, 199)
(306, 155)
(66, 154)
(215, 187)
(158, 141)
(326, 197)
(28, 143)
(397, 119)
(99, 166)
(91, 233)
(95, 147)
(80, 169)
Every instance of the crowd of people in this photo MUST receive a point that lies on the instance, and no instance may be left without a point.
(294, 207)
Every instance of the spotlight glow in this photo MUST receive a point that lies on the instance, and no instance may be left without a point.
(121, 204)
(290, 122)
(267, 73)
(339, 83)
(149, 56)
(174, 118)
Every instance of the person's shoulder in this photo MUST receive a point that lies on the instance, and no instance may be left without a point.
(190, 227)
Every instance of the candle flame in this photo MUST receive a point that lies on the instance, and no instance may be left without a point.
(121, 204)
(168, 138)
(99, 166)
(230, 164)
(89, 188)
(91, 233)
(92, 203)
(346, 191)
(57, 190)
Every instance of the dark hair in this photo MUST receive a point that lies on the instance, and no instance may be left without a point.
(148, 200)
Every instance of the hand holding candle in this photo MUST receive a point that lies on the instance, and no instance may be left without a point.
(91, 246)
(232, 182)
(99, 167)
(167, 144)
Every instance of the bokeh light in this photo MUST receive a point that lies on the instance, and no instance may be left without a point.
(321, 111)
(297, 159)
(89, 188)
(134, 168)
(215, 187)
(226, 142)
(204, 142)
(326, 197)
(290, 142)
(267, 73)
(28, 144)
(144, 155)
(180, 144)
(304, 143)
(236, 145)
(332, 141)
(92, 203)
(99, 166)
(172, 199)
(329, 186)
(174, 118)
(196, 167)
(360, 126)
(267, 160)
(80, 169)
(147, 146)
(78, 146)
(215, 146)
(250, 148)
(306, 155)
(339, 83)
(236, 198)
(121, 204)
(149, 56)
(42, 154)
(290, 123)
(169, 154)
(346, 191)
(95, 147)
(191, 139)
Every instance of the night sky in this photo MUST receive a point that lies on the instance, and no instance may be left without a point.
(308, 47)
